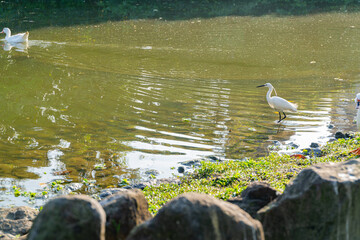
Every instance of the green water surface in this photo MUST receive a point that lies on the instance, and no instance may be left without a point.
(116, 99)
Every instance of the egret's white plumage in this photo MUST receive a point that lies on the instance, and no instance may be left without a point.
(357, 102)
(18, 38)
(277, 103)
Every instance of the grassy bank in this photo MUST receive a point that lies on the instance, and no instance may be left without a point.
(226, 179)
(223, 179)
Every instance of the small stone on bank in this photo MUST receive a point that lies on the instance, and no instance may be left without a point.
(314, 145)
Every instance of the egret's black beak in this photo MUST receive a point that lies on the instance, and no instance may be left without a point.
(262, 85)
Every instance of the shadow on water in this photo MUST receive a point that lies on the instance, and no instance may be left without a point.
(26, 15)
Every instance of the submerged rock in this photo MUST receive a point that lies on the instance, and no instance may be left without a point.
(152, 182)
(314, 145)
(200, 217)
(277, 143)
(124, 210)
(213, 158)
(153, 172)
(181, 169)
(70, 217)
(110, 191)
(293, 145)
(140, 186)
(321, 203)
(254, 197)
(312, 152)
(16, 221)
(194, 162)
(71, 187)
(339, 135)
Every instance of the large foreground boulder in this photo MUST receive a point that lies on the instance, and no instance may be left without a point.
(255, 197)
(124, 210)
(16, 221)
(321, 203)
(199, 217)
(71, 218)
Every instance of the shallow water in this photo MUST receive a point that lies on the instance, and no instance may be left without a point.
(114, 100)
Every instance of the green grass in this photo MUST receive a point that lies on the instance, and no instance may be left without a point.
(228, 179)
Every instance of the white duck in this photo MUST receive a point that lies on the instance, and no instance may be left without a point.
(18, 38)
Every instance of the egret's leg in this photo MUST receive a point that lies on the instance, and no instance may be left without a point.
(279, 117)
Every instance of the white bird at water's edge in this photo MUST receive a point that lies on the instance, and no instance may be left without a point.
(277, 103)
(18, 38)
(357, 102)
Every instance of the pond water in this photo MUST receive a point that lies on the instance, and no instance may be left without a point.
(117, 99)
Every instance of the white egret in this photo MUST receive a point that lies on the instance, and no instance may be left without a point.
(357, 102)
(357, 106)
(21, 37)
(277, 103)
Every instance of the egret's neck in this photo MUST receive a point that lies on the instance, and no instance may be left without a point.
(358, 119)
(268, 95)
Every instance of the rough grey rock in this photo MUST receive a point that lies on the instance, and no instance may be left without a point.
(124, 210)
(199, 217)
(69, 217)
(254, 197)
(321, 203)
(16, 221)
